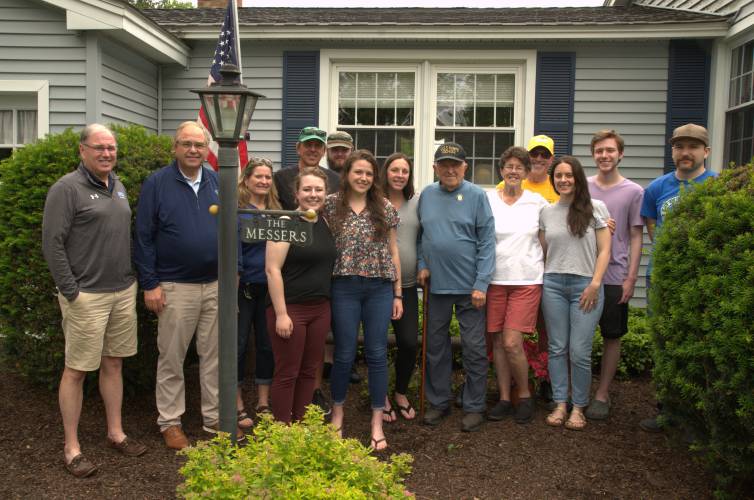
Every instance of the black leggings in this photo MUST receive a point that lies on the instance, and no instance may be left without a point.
(406, 332)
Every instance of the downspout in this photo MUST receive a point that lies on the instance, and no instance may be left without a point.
(159, 99)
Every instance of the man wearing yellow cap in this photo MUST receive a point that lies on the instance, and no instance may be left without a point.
(541, 153)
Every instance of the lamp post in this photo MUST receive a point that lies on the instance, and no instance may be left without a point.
(228, 105)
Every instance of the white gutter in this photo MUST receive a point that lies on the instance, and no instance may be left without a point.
(126, 24)
(713, 29)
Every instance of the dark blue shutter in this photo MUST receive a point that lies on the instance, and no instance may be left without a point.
(300, 99)
(556, 77)
(688, 88)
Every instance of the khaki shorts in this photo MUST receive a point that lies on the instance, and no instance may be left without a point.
(98, 324)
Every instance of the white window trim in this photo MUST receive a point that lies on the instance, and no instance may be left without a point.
(42, 89)
(426, 63)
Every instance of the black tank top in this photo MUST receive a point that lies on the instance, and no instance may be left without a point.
(307, 272)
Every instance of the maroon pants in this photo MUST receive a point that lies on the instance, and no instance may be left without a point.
(297, 357)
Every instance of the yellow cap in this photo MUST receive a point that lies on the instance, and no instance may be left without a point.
(541, 141)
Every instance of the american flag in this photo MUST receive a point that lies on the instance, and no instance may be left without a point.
(226, 52)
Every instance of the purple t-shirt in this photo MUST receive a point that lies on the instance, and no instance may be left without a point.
(624, 204)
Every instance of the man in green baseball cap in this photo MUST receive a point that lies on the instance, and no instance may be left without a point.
(310, 148)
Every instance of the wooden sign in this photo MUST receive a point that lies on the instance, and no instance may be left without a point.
(294, 231)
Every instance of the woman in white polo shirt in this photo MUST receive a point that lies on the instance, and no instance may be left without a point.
(516, 287)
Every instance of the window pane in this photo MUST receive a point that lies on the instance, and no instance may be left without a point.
(364, 139)
(385, 143)
(746, 88)
(6, 127)
(731, 97)
(735, 66)
(736, 129)
(748, 123)
(485, 114)
(483, 173)
(746, 151)
(365, 113)
(465, 87)
(503, 141)
(464, 114)
(445, 87)
(347, 85)
(504, 116)
(505, 88)
(748, 56)
(404, 113)
(405, 142)
(485, 87)
(366, 86)
(386, 85)
(385, 112)
(735, 152)
(466, 140)
(27, 126)
(483, 145)
(405, 86)
(347, 112)
(445, 114)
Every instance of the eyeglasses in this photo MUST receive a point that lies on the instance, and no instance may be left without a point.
(100, 148)
(514, 168)
(543, 154)
(189, 144)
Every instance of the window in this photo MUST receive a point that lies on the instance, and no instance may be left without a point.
(17, 127)
(740, 116)
(476, 110)
(377, 109)
(24, 113)
(412, 100)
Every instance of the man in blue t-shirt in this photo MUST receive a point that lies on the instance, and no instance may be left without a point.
(690, 145)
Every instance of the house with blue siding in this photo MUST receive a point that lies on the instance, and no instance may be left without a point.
(395, 78)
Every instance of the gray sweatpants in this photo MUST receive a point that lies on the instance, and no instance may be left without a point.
(440, 355)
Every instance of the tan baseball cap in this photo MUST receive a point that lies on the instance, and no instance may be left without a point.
(339, 139)
(691, 131)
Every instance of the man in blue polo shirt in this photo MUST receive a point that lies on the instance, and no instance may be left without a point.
(690, 145)
(176, 258)
(456, 257)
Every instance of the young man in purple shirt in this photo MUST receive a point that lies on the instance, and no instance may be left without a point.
(623, 199)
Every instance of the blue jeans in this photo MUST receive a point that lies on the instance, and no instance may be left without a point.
(251, 316)
(367, 301)
(570, 331)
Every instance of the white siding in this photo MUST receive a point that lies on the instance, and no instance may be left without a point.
(263, 73)
(129, 87)
(35, 45)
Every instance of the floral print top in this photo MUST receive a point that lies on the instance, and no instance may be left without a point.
(359, 254)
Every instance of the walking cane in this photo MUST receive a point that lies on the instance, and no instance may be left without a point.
(425, 293)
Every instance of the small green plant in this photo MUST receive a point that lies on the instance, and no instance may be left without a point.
(304, 460)
(636, 347)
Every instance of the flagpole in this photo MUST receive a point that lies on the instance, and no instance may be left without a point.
(237, 38)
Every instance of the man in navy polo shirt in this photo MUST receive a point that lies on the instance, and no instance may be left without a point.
(176, 258)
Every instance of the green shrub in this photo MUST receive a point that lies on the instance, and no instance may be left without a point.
(702, 302)
(636, 347)
(303, 460)
(32, 338)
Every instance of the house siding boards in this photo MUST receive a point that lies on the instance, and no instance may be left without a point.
(263, 73)
(624, 88)
(37, 46)
(128, 86)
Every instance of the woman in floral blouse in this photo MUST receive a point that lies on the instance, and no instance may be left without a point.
(366, 286)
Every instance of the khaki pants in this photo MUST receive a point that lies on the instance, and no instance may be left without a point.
(191, 308)
(98, 324)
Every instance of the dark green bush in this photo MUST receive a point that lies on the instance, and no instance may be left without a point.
(702, 302)
(32, 338)
(636, 347)
(303, 460)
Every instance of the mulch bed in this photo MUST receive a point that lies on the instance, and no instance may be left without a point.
(503, 460)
